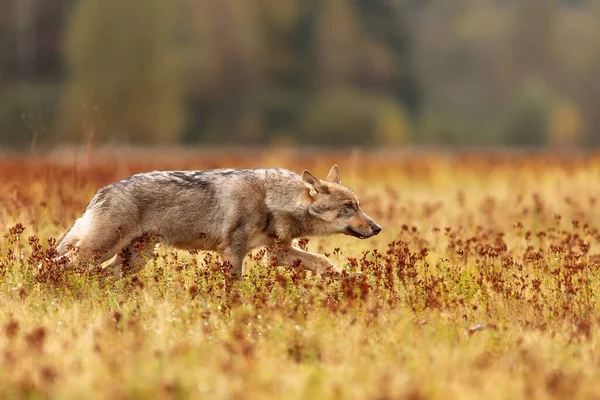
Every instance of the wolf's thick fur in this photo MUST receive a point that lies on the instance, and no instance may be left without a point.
(230, 211)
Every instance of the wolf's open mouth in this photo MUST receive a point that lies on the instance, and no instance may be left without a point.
(350, 231)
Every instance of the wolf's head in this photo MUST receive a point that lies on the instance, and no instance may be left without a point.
(336, 207)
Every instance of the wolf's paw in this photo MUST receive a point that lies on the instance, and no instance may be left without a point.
(343, 274)
(353, 276)
(337, 271)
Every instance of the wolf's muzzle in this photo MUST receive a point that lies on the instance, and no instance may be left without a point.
(373, 230)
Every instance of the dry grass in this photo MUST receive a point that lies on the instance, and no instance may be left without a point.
(483, 284)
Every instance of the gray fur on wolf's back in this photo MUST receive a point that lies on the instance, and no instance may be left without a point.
(184, 206)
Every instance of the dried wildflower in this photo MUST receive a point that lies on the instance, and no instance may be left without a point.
(11, 329)
(35, 339)
(193, 290)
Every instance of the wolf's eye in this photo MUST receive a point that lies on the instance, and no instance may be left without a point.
(349, 206)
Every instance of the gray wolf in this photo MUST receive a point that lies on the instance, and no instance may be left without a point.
(225, 210)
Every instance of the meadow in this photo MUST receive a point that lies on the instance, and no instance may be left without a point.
(483, 284)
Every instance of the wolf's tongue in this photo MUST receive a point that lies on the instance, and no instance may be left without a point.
(352, 232)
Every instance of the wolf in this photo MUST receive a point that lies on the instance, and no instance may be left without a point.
(225, 210)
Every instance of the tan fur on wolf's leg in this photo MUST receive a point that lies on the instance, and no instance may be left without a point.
(78, 257)
(312, 261)
(84, 253)
(137, 256)
(114, 265)
(68, 255)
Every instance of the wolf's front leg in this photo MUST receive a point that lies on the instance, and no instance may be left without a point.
(312, 261)
(234, 256)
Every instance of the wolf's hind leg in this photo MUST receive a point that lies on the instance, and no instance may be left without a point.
(132, 258)
(93, 240)
(85, 254)
(115, 265)
(138, 252)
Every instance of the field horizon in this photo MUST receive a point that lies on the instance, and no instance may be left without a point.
(483, 283)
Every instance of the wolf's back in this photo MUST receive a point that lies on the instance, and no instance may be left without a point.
(182, 205)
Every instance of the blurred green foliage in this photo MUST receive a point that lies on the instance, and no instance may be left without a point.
(308, 72)
(27, 112)
(123, 70)
(529, 117)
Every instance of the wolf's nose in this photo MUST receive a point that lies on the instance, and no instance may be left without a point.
(376, 229)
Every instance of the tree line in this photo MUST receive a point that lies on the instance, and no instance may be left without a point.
(318, 72)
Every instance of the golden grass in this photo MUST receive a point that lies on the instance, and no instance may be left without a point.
(483, 284)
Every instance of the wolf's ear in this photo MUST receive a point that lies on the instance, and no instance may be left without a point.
(311, 182)
(334, 174)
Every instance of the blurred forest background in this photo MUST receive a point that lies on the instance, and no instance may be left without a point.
(300, 72)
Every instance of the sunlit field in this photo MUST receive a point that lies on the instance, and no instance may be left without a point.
(484, 283)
